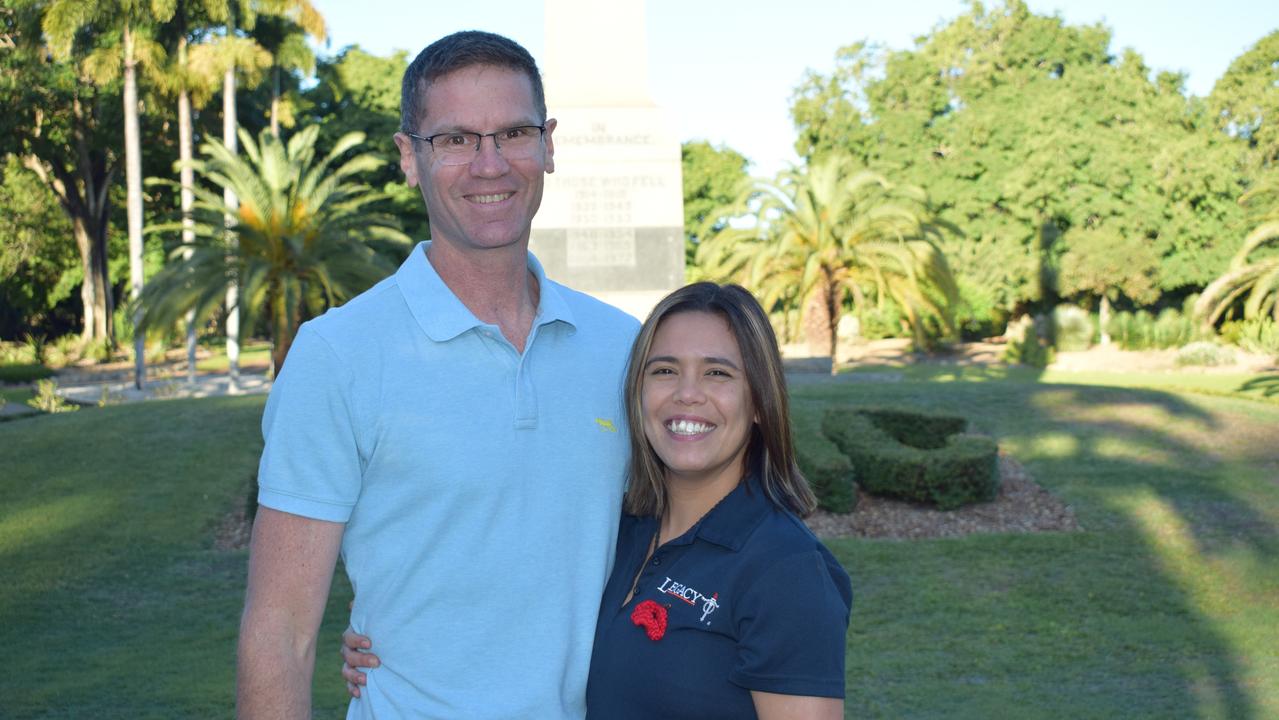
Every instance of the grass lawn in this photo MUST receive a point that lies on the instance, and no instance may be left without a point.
(1166, 605)
(255, 355)
(16, 394)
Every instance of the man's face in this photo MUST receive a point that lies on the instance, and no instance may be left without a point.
(490, 202)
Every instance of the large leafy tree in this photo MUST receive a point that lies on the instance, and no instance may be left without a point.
(38, 267)
(306, 236)
(1246, 101)
(62, 126)
(830, 233)
(713, 178)
(116, 37)
(1036, 140)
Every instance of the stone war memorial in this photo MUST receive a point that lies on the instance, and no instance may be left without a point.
(612, 220)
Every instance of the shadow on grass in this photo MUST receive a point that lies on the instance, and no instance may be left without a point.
(1263, 385)
(1139, 615)
(1152, 611)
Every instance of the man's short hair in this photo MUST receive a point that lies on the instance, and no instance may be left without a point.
(456, 52)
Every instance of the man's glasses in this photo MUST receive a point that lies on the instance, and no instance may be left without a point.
(460, 148)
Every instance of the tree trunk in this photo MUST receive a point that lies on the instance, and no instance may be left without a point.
(816, 321)
(1103, 319)
(82, 193)
(275, 100)
(228, 196)
(284, 327)
(133, 184)
(186, 178)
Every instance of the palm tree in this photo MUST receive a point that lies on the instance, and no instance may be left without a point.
(307, 235)
(193, 84)
(282, 29)
(1253, 274)
(829, 232)
(63, 22)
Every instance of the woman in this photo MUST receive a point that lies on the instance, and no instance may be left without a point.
(721, 602)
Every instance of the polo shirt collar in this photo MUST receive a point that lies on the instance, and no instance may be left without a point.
(440, 313)
(729, 523)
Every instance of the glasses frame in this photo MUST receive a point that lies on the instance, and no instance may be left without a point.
(430, 139)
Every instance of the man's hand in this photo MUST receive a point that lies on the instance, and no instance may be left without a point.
(356, 654)
(291, 560)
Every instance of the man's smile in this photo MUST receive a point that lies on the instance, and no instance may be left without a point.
(489, 199)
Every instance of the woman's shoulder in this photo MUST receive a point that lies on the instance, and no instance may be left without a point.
(782, 537)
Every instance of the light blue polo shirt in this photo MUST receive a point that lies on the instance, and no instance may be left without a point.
(480, 488)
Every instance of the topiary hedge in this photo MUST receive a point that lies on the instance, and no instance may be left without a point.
(829, 471)
(912, 456)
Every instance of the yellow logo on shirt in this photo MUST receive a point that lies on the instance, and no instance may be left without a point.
(605, 424)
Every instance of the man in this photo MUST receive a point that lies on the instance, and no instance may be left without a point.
(456, 432)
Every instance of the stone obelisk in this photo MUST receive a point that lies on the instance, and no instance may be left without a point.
(612, 218)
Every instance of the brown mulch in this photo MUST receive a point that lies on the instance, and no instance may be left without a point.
(1021, 506)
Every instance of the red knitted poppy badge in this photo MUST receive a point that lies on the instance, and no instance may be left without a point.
(652, 617)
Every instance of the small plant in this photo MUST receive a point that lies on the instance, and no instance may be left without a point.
(1024, 345)
(1204, 354)
(1073, 328)
(1255, 335)
(37, 346)
(48, 400)
(108, 398)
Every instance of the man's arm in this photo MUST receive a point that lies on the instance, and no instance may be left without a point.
(291, 561)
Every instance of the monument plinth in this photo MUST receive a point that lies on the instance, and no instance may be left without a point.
(612, 218)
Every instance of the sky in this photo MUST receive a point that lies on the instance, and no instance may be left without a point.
(725, 70)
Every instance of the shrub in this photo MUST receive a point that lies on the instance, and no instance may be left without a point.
(914, 428)
(23, 373)
(48, 400)
(1255, 335)
(829, 471)
(1204, 354)
(950, 473)
(1073, 328)
(1024, 345)
(1143, 331)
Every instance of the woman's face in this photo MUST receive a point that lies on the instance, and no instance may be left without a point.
(696, 402)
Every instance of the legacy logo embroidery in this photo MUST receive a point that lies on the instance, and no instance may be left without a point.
(690, 596)
(605, 424)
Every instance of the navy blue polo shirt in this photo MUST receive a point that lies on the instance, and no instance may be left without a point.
(749, 598)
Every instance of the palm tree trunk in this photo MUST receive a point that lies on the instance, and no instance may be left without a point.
(133, 178)
(186, 178)
(275, 100)
(232, 202)
(816, 321)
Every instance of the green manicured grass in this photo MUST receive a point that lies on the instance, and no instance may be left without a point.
(1254, 386)
(250, 355)
(16, 394)
(1165, 605)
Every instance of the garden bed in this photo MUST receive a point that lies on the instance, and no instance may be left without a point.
(1021, 506)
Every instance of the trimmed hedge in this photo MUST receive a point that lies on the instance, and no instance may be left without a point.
(23, 373)
(921, 459)
(914, 428)
(829, 471)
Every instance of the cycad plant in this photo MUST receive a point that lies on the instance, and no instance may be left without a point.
(309, 235)
(829, 232)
